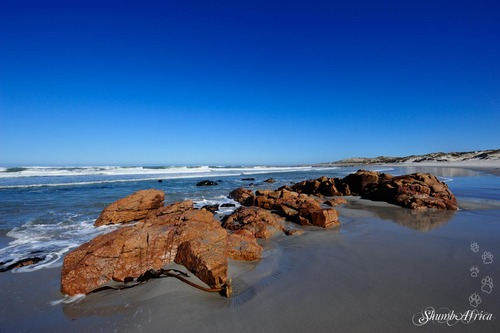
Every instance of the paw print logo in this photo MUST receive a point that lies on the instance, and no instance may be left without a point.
(475, 300)
(474, 270)
(487, 258)
(474, 247)
(487, 285)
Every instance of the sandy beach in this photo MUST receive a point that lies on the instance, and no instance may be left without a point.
(377, 272)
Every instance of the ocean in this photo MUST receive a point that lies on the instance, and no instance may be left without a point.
(378, 251)
(47, 211)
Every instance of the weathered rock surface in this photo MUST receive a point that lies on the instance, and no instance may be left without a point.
(243, 196)
(336, 202)
(293, 206)
(134, 207)
(176, 233)
(359, 181)
(260, 222)
(322, 186)
(415, 191)
(194, 238)
(242, 245)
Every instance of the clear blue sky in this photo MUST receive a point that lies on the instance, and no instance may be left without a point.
(245, 82)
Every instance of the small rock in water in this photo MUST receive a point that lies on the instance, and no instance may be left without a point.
(21, 263)
(211, 208)
(206, 183)
(270, 180)
(248, 179)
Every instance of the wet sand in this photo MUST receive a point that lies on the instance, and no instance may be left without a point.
(374, 273)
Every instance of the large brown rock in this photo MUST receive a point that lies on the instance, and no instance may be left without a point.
(325, 218)
(134, 207)
(260, 222)
(322, 186)
(242, 245)
(295, 207)
(415, 191)
(359, 181)
(130, 251)
(243, 196)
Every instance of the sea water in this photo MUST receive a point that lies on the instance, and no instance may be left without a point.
(47, 211)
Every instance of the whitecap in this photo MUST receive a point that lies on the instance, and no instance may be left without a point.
(68, 299)
(219, 200)
(48, 242)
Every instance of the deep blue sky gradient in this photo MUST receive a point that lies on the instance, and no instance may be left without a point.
(245, 82)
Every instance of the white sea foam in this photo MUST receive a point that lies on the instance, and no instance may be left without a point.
(219, 200)
(48, 241)
(384, 169)
(38, 171)
(69, 299)
(47, 176)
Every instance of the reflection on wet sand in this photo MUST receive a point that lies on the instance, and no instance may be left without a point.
(420, 220)
(440, 171)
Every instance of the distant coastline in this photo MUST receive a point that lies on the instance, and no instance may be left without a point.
(478, 156)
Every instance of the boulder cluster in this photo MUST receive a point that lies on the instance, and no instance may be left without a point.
(415, 191)
(154, 235)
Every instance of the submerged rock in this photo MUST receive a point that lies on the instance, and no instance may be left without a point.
(7, 266)
(207, 183)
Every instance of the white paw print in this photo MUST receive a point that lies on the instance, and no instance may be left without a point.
(487, 286)
(474, 247)
(474, 270)
(475, 300)
(487, 258)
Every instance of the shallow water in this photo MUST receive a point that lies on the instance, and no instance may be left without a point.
(380, 269)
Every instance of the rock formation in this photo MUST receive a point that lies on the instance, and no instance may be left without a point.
(193, 237)
(175, 233)
(134, 207)
(415, 191)
(258, 221)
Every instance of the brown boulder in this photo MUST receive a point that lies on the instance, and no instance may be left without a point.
(179, 212)
(242, 245)
(243, 196)
(295, 207)
(130, 251)
(134, 207)
(415, 191)
(325, 218)
(260, 222)
(205, 259)
(359, 181)
(336, 202)
(322, 186)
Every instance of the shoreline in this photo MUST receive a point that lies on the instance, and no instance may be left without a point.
(489, 166)
(383, 265)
